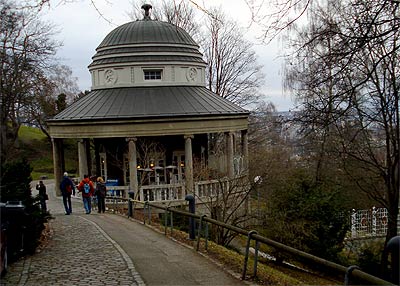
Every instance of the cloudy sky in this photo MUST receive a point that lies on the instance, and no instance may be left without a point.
(82, 28)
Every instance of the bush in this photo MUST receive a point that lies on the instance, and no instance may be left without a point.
(366, 254)
(307, 215)
(15, 186)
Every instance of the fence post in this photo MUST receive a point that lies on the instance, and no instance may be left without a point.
(192, 209)
(206, 236)
(256, 258)
(149, 212)
(166, 220)
(246, 257)
(146, 203)
(172, 222)
(199, 232)
(374, 221)
(353, 224)
(130, 198)
(348, 274)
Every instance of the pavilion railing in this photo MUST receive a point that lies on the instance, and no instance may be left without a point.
(177, 191)
(159, 193)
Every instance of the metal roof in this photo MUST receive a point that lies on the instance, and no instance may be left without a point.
(148, 103)
(145, 32)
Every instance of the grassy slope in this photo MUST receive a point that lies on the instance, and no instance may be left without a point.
(268, 273)
(35, 146)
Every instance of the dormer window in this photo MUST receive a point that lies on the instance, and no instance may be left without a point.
(152, 74)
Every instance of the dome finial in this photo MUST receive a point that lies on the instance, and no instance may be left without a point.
(146, 8)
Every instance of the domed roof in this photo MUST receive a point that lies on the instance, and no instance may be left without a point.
(149, 41)
(147, 32)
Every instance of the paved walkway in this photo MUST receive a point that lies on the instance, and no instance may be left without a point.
(107, 249)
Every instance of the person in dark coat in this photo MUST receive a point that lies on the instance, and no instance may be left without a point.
(66, 188)
(101, 191)
(42, 196)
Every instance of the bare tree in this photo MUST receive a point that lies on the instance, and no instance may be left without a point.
(276, 16)
(58, 92)
(233, 72)
(226, 201)
(27, 50)
(345, 72)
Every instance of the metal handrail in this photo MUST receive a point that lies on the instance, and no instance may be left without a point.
(355, 273)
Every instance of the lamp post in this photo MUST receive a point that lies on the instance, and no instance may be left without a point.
(257, 182)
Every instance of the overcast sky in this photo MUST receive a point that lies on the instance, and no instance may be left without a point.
(82, 29)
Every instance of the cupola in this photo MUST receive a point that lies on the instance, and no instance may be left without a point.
(147, 53)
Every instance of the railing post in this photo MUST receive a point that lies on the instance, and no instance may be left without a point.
(141, 194)
(246, 257)
(374, 221)
(172, 222)
(353, 224)
(206, 236)
(149, 213)
(199, 232)
(393, 248)
(166, 220)
(256, 258)
(192, 209)
(144, 211)
(348, 274)
(130, 198)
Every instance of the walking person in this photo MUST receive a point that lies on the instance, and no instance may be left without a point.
(101, 191)
(87, 190)
(42, 196)
(66, 188)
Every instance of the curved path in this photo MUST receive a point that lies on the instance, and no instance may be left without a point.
(107, 249)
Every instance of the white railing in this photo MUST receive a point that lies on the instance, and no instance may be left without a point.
(210, 188)
(167, 192)
(117, 191)
(173, 192)
(369, 223)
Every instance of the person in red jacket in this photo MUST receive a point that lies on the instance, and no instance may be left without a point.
(87, 190)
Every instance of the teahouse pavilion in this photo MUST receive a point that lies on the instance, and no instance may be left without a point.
(149, 116)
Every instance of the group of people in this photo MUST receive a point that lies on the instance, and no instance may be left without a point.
(88, 190)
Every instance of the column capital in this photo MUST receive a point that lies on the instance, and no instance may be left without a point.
(188, 136)
(128, 139)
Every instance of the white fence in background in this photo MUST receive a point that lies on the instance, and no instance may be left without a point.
(369, 223)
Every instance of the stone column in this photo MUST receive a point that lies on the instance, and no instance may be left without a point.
(133, 180)
(245, 151)
(82, 155)
(58, 155)
(229, 154)
(188, 164)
